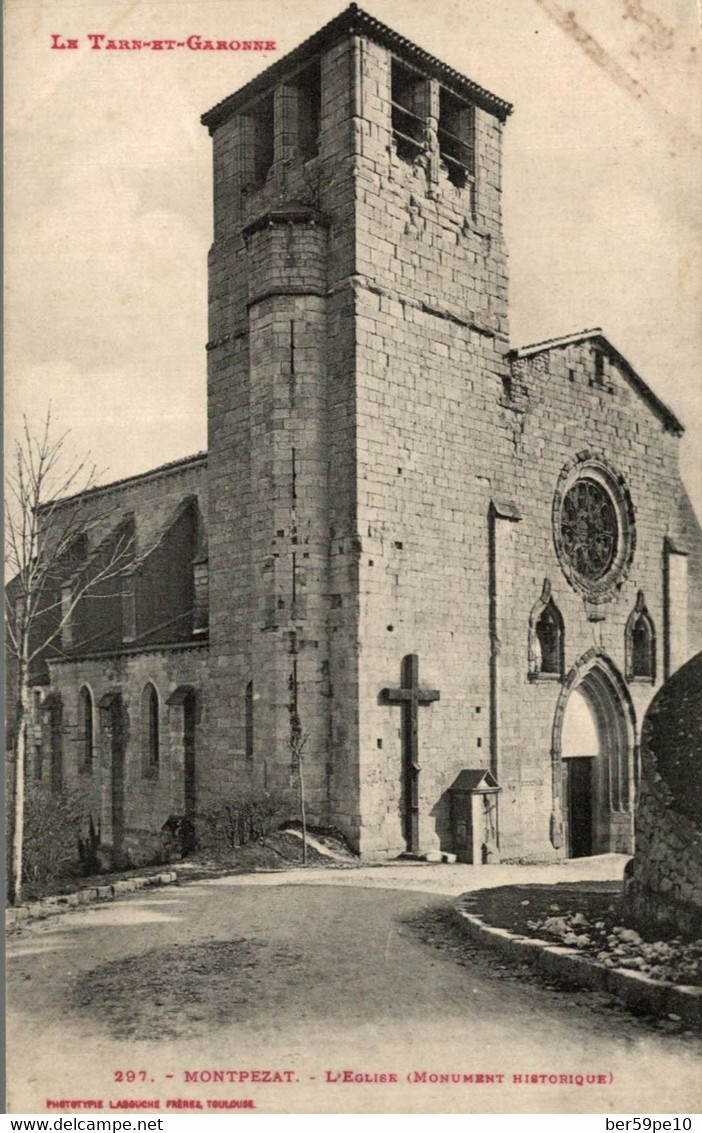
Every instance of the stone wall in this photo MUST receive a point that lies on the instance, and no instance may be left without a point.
(282, 451)
(431, 332)
(460, 453)
(107, 652)
(667, 880)
(384, 479)
(666, 884)
(563, 419)
(150, 794)
(358, 315)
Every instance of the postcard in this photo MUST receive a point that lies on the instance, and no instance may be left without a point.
(353, 424)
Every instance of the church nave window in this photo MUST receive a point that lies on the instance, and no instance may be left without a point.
(150, 739)
(85, 734)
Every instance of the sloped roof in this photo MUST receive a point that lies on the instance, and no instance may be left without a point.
(171, 466)
(597, 336)
(471, 779)
(354, 21)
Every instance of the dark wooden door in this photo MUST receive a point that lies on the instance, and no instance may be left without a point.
(579, 779)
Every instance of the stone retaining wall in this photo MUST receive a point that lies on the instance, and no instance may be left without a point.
(666, 883)
(667, 880)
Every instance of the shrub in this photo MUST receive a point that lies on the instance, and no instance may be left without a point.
(53, 824)
(240, 819)
(89, 850)
(178, 837)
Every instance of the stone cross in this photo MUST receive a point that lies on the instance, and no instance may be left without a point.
(410, 696)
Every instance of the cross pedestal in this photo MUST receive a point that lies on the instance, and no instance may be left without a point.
(409, 696)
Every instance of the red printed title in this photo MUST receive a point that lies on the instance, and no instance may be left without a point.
(100, 42)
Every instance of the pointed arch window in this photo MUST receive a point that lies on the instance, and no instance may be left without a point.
(546, 638)
(640, 643)
(549, 632)
(85, 732)
(150, 738)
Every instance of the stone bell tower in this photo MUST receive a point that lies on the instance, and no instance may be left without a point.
(357, 255)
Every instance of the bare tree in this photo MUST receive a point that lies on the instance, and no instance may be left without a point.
(50, 513)
(297, 740)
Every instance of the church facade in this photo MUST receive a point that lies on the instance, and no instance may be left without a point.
(420, 551)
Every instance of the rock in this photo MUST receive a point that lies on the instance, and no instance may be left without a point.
(557, 926)
(123, 887)
(628, 935)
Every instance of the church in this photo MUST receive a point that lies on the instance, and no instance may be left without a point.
(446, 572)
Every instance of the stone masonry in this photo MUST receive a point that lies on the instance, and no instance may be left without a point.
(666, 884)
(383, 469)
(142, 632)
(390, 489)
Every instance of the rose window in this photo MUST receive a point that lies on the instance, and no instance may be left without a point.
(589, 529)
(593, 526)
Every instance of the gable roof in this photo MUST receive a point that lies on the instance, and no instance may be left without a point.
(354, 21)
(475, 779)
(599, 339)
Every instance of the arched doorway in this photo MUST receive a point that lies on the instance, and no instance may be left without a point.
(581, 754)
(594, 759)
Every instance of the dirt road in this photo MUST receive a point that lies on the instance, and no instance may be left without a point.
(302, 978)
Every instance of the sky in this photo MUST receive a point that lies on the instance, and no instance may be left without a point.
(109, 199)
